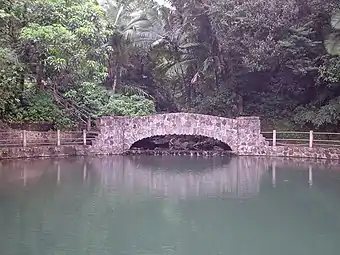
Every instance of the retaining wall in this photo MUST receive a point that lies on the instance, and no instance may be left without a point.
(303, 152)
(43, 151)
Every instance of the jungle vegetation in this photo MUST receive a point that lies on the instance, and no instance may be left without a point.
(63, 60)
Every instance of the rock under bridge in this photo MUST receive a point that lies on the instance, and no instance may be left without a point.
(118, 134)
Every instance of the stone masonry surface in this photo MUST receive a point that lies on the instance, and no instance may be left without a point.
(43, 151)
(118, 134)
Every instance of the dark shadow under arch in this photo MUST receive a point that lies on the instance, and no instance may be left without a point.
(181, 142)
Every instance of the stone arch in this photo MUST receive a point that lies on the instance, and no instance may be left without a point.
(225, 145)
(222, 129)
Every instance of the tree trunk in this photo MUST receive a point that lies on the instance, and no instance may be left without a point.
(21, 81)
(39, 70)
(114, 84)
(217, 82)
(110, 72)
(55, 95)
(240, 105)
(116, 79)
(187, 88)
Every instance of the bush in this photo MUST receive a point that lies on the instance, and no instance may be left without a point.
(123, 105)
(220, 104)
(99, 102)
(38, 108)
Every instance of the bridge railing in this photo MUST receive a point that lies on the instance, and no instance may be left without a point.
(304, 139)
(25, 138)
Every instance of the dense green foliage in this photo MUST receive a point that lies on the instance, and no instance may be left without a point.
(276, 59)
(101, 102)
(51, 49)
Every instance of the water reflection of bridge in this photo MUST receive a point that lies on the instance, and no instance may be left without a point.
(163, 176)
(234, 177)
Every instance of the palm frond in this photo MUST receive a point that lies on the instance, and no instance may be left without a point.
(129, 34)
(186, 56)
(118, 15)
(159, 43)
(208, 62)
(147, 36)
(332, 44)
(133, 90)
(190, 45)
(111, 9)
(180, 68)
(336, 20)
(140, 22)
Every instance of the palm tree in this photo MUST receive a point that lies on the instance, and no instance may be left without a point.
(130, 26)
(189, 50)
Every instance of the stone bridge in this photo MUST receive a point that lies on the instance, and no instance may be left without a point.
(118, 134)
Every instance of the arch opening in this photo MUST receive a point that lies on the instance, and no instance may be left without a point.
(180, 143)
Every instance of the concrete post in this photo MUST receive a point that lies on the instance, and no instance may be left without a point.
(24, 136)
(274, 138)
(311, 138)
(58, 137)
(84, 137)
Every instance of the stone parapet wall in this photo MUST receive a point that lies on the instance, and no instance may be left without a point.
(118, 134)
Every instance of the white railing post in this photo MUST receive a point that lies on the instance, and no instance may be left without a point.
(24, 137)
(310, 175)
(274, 138)
(311, 139)
(58, 137)
(84, 137)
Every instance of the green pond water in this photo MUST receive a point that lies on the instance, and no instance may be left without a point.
(168, 205)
